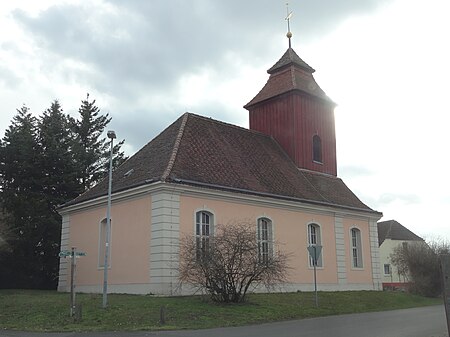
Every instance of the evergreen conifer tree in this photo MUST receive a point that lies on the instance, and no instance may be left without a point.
(57, 141)
(23, 204)
(44, 163)
(92, 150)
(59, 182)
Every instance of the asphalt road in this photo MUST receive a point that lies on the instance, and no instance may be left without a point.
(417, 322)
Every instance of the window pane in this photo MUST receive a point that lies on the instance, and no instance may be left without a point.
(205, 218)
(264, 239)
(355, 258)
(317, 149)
(264, 233)
(314, 239)
(313, 235)
(203, 231)
(198, 242)
(356, 247)
(265, 247)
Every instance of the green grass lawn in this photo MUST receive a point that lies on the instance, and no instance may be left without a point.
(34, 310)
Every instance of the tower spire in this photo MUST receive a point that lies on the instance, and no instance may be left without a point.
(288, 18)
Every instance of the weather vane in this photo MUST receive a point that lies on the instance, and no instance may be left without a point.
(288, 18)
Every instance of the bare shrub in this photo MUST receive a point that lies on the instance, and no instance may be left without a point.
(419, 263)
(230, 264)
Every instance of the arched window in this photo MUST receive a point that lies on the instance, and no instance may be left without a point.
(204, 226)
(265, 239)
(317, 149)
(314, 239)
(102, 244)
(356, 248)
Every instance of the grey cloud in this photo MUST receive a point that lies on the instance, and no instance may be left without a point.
(139, 130)
(145, 47)
(354, 171)
(10, 80)
(139, 126)
(389, 198)
(151, 43)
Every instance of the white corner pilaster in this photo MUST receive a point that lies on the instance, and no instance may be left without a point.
(375, 254)
(64, 265)
(340, 250)
(164, 242)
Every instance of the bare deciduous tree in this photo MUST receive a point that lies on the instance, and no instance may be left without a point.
(419, 263)
(230, 264)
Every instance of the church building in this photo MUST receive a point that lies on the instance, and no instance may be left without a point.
(281, 173)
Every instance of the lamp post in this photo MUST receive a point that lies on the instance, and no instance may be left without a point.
(111, 135)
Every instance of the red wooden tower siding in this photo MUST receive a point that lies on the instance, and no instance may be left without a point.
(294, 110)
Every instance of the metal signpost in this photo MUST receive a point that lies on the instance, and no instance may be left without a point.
(73, 255)
(314, 252)
(445, 270)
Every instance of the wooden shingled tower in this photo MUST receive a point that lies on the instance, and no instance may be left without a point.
(296, 112)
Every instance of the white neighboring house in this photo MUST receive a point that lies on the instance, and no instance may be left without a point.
(392, 234)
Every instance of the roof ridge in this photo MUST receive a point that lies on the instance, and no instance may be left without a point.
(314, 187)
(294, 81)
(176, 146)
(229, 125)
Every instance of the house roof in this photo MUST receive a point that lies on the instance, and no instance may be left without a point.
(393, 230)
(289, 73)
(203, 152)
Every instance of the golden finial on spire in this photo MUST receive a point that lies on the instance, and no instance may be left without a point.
(288, 18)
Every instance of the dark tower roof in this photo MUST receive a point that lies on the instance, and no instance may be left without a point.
(290, 73)
(290, 57)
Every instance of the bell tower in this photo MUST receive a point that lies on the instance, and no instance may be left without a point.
(297, 113)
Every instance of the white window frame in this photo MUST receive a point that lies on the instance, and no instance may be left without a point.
(388, 265)
(203, 231)
(102, 243)
(265, 238)
(356, 248)
(314, 239)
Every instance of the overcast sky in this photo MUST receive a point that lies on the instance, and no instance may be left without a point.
(386, 63)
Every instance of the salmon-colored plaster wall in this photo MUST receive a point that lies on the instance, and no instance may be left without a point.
(289, 230)
(130, 237)
(364, 274)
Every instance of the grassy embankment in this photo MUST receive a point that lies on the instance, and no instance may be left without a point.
(30, 310)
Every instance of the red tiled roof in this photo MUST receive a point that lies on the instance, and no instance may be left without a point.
(145, 166)
(289, 73)
(200, 151)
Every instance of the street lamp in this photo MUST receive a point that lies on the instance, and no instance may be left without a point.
(111, 135)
